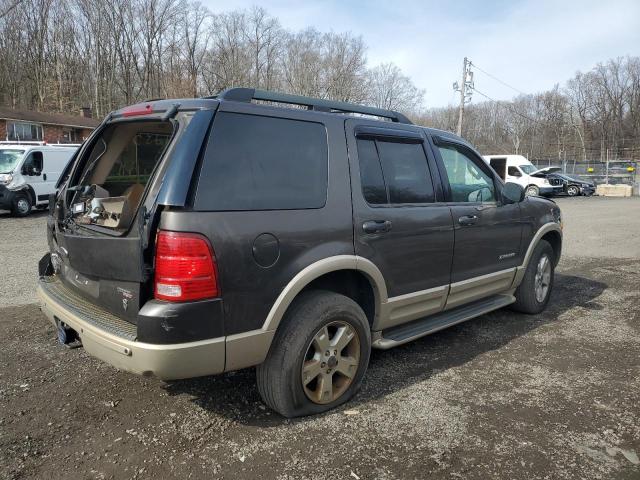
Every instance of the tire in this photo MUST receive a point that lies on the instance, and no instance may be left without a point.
(21, 205)
(528, 299)
(532, 190)
(573, 191)
(280, 377)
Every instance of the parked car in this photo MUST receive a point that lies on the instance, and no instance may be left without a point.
(571, 185)
(517, 169)
(29, 174)
(195, 237)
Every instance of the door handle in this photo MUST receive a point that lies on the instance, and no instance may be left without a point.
(44, 177)
(376, 226)
(468, 220)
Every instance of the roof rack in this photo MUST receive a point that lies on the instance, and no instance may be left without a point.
(317, 104)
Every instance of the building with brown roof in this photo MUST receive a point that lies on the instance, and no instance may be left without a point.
(25, 125)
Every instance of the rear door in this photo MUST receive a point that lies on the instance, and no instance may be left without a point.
(401, 223)
(487, 231)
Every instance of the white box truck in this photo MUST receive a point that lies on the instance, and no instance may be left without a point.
(517, 169)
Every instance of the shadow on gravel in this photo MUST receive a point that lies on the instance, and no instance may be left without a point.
(234, 395)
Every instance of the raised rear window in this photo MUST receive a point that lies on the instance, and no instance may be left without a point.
(263, 163)
(115, 171)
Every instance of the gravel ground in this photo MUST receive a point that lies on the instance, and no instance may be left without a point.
(504, 396)
(23, 242)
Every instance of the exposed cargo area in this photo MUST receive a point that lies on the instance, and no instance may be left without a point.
(107, 189)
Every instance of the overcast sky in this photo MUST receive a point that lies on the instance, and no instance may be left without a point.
(530, 45)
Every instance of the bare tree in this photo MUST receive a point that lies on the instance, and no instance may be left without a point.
(388, 88)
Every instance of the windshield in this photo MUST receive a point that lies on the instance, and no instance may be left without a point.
(528, 169)
(9, 159)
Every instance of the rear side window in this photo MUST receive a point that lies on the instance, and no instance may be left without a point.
(394, 173)
(263, 163)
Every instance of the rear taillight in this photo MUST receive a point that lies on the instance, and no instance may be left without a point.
(185, 267)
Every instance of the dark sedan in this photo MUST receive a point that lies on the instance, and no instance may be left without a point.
(571, 185)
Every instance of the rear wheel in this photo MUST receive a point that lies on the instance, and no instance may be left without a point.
(533, 293)
(319, 356)
(572, 191)
(21, 205)
(532, 190)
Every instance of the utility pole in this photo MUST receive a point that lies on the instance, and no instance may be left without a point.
(466, 90)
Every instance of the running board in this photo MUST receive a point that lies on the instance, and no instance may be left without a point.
(392, 337)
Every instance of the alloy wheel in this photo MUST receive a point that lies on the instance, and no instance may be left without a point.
(542, 279)
(331, 362)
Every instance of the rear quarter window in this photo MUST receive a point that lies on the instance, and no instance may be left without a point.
(263, 163)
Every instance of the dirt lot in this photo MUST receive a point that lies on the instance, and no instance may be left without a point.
(503, 396)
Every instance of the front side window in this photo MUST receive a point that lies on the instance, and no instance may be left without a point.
(394, 173)
(467, 181)
(263, 163)
(514, 172)
(33, 165)
(23, 131)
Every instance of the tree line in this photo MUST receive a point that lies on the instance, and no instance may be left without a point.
(60, 55)
(595, 115)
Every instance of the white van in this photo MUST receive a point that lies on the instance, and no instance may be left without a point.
(517, 169)
(29, 173)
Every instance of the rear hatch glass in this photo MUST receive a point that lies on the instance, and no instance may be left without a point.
(109, 187)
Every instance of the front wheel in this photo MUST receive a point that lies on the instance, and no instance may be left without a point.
(21, 205)
(532, 296)
(572, 191)
(319, 356)
(532, 190)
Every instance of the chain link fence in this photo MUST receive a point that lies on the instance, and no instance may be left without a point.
(614, 172)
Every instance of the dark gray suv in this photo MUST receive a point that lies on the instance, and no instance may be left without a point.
(198, 236)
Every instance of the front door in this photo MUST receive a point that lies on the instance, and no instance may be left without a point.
(401, 223)
(487, 231)
(33, 172)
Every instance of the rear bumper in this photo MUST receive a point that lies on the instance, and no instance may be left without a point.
(116, 344)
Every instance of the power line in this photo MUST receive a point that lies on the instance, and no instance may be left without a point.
(498, 80)
(508, 106)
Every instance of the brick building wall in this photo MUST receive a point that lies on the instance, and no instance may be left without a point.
(52, 133)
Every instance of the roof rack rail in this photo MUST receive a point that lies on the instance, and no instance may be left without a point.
(318, 104)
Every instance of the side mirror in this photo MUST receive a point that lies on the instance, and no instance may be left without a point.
(512, 193)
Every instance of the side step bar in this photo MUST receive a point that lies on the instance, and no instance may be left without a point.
(402, 334)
